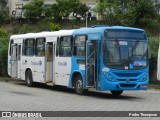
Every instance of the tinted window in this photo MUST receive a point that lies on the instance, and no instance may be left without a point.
(80, 45)
(65, 47)
(40, 47)
(125, 54)
(29, 47)
(11, 42)
(19, 52)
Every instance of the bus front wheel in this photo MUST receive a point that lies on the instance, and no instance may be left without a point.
(29, 78)
(117, 93)
(78, 86)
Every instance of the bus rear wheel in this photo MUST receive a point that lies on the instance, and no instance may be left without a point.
(117, 93)
(78, 86)
(29, 78)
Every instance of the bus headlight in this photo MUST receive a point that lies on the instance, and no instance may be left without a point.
(144, 78)
(109, 77)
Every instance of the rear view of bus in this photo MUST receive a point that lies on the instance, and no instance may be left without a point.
(125, 60)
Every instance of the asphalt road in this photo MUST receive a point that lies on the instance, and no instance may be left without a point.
(16, 96)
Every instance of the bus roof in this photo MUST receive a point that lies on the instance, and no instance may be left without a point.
(42, 34)
(101, 29)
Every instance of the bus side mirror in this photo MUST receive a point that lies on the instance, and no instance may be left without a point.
(149, 52)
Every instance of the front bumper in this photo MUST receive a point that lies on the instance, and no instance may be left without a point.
(107, 85)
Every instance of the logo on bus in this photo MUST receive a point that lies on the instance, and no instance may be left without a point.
(62, 63)
(10, 61)
(105, 69)
(36, 63)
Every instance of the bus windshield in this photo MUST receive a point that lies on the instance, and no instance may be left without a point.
(123, 54)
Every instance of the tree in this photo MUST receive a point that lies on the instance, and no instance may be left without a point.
(4, 17)
(3, 52)
(81, 9)
(141, 12)
(33, 10)
(63, 8)
(109, 10)
(137, 13)
(3, 4)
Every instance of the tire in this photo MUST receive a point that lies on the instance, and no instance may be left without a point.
(78, 86)
(29, 78)
(117, 93)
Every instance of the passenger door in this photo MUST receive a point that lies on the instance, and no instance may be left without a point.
(14, 61)
(91, 65)
(63, 61)
(19, 52)
(49, 62)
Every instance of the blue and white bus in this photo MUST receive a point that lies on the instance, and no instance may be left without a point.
(100, 58)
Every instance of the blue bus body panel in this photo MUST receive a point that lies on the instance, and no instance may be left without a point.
(76, 69)
(101, 30)
(121, 79)
(124, 79)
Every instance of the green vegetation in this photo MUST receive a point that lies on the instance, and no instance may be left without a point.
(33, 10)
(7, 79)
(54, 27)
(3, 52)
(4, 17)
(154, 44)
(58, 11)
(136, 13)
(154, 86)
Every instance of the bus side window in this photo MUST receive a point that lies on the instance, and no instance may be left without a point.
(40, 47)
(57, 47)
(11, 42)
(29, 47)
(65, 46)
(79, 49)
(23, 48)
(19, 52)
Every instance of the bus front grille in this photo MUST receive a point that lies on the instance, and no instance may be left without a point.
(127, 85)
(127, 79)
(128, 74)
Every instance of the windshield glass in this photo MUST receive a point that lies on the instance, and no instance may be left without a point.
(121, 54)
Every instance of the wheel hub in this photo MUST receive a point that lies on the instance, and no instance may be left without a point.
(79, 85)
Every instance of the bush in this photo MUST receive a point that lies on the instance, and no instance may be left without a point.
(3, 52)
(3, 61)
(4, 17)
(3, 33)
(54, 26)
(154, 44)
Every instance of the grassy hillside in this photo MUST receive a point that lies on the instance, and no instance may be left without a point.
(17, 27)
